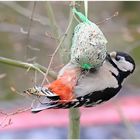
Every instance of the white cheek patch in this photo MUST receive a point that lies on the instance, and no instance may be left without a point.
(124, 65)
(127, 67)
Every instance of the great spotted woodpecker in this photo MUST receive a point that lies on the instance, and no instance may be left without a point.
(76, 87)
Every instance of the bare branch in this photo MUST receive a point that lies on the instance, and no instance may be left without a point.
(57, 48)
(25, 65)
(7, 120)
(52, 19)
(109, 18)
(31, 19)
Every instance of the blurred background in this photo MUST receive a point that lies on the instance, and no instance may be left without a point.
(33, 40)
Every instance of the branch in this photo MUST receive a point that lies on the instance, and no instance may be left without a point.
(52, 19)
(109, 18)
(8, 115)
(31, 21)
(56, 50)
(74, 113)
(25, 65)
(74, 123)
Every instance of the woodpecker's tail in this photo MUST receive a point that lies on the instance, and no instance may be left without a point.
(39, 91)
(47, 99)
(42, 106)
(57, 105)
(59, 93)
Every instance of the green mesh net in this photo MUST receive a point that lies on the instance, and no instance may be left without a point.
(88, 44)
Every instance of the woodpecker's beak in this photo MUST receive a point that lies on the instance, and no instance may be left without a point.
(113, 54)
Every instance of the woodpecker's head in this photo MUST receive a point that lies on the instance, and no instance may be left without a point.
(123, 62)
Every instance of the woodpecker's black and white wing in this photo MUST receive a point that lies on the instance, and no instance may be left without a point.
(95, 87)
(100, 86)
(97, 80)
(92, 88)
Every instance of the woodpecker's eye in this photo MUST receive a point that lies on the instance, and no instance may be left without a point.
(118, 58)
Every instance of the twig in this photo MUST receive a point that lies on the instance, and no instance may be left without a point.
(57, 48)
(49, 35)
(53, 22)
(25, 65)
(4, 119)
(74, 123)
(56, 33)
(74, 113)
(29, 47)
(28, 38)
(58, 67)
(6, 124)
(77, 19)
(109, 18)
(31, 19)
(11, 114)
(21, 110)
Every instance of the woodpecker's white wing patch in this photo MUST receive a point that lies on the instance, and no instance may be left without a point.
(123, 65)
